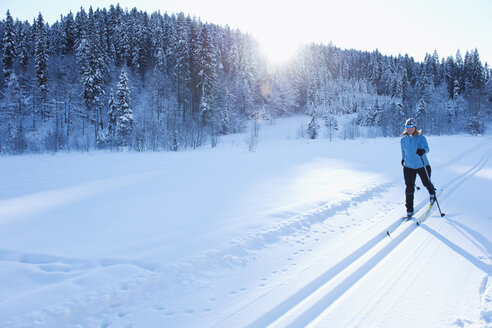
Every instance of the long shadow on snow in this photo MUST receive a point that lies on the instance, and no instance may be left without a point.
(480, 240)
(472, 259)
(330, 297)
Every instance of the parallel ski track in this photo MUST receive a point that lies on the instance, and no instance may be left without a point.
(309, 302)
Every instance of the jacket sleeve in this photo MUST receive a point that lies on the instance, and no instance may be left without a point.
(425, 145)
(402, 149)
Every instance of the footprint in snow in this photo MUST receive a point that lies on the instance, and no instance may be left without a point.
(122, 314)
(114, 304)
(461, 323)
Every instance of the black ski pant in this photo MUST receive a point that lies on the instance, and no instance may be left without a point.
(410, 175)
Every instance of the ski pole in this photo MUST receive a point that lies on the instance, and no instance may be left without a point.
(435, 194)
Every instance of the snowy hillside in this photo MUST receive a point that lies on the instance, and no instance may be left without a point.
(290, 235)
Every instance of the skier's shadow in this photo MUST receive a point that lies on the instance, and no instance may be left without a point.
(480, 241)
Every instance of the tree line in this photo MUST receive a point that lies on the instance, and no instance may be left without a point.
(113, 78)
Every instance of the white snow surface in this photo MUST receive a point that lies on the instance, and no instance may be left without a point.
(293, 234)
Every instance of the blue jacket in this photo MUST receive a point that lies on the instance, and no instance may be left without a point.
(409, 145)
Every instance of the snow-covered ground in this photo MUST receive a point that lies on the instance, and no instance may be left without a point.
(290, 235)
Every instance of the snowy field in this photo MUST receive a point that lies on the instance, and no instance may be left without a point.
(290, 235)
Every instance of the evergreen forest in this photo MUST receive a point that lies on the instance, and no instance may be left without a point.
(126, 79)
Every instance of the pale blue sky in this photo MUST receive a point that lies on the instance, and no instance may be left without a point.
(393, 26)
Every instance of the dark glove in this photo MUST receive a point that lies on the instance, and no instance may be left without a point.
(420, 151)
(402, 162)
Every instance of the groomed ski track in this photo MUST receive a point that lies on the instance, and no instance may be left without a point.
(310, 304)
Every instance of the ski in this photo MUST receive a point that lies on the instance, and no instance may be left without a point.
(426, 214)
(419, 220)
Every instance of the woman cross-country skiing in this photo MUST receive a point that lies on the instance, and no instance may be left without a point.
(413, 147)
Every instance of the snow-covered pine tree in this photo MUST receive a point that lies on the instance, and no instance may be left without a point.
(423, 92)
(364, 117)
(125, 112)
(194, 81)
(41, 62)
(68, 33)
(477, 73)
(182, 54)
(468, 73)
(112, 117)
(207, 63)
(92, 61)
(401, 91)
(123, 45)
(313, 126)
(475, 112)
(145, 46)
(41, 55)
(378, 113)
(450, 75)
(460, 76)
(8, 47)
(136, 30)
(435, 68)
(13, 94)
(13, 98)
(169, 43)
(314, 81)
(375, 68)
(393, 119)
(23, 45)
(454, 106)
(282, 97)
(331, 123)
(245, 76)
(421, 110)
(80, 26)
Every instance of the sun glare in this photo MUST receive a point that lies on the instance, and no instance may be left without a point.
(278, 51)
